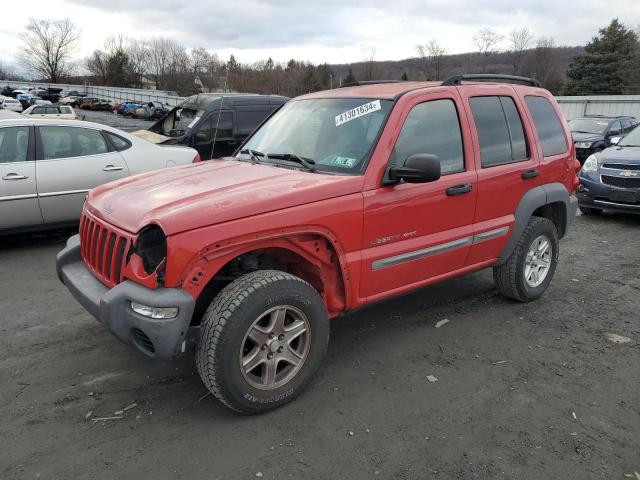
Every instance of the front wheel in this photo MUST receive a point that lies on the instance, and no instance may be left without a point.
(263, 338)
(529, 269)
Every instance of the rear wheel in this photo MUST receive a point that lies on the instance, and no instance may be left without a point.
(590, 211)
(529, 269)
(263, 338)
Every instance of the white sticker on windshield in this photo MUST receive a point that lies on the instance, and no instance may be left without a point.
(357, 112)
(195, 120)
(346, 162)
(602, 123)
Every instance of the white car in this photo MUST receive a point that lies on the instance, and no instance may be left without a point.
(68, 100)
(11, 104)
(64, 112)
(48, 166)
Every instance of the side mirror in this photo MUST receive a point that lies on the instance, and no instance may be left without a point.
(201, 137)
(614, 140)
(418, 168)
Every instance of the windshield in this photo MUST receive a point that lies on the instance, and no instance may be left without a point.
(587, 125)
(337, 134)
(632, 139)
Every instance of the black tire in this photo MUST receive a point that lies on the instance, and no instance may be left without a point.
(510, 276)
(228, 320)
(590, 211)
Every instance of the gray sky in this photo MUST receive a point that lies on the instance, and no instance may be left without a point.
(332, 31)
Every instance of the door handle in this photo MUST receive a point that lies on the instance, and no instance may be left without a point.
(111, 168)
(530, 174)
(14, 176)
(459, 189)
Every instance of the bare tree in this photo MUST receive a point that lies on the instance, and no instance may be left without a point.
(543, 61)
(139, 59)
(431, 56)
(519, 40)
(97, 66)
(369, 67)
(487, 42)
(159, 59)
(48, 46)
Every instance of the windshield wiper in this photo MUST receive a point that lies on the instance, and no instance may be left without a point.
(308, 163)
(253, 154)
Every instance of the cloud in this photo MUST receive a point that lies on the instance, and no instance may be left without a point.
(332, 31)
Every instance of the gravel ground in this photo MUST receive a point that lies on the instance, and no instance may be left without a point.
(532, 391)
(113, 120)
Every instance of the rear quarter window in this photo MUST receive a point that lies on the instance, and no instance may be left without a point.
(550, 131)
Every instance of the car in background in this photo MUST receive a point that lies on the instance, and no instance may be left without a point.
(95, 104)
(610, 179)
(11, 104)
(214, 124)
(6, 91)
(40, 101)
(68, 100)
(593, 133)
(151, 111)
(18, 91)
(45, 187)
(127, 109)
(64, 112)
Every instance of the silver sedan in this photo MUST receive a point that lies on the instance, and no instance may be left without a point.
(48, 166)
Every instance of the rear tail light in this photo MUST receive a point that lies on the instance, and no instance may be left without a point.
(576, 181)
(196, 158)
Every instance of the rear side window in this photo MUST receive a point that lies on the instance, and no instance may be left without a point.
(66, 142)
(548, 126)
(432, 128)
(500, 130)
(118, 142)
(13, 144)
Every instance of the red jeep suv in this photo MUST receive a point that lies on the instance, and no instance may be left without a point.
(339, 199)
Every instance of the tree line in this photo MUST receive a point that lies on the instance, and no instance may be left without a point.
(608, 64)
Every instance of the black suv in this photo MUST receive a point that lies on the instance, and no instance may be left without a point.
(227, 118)
(594, 133)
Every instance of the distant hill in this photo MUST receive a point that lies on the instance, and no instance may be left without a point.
(548, 65)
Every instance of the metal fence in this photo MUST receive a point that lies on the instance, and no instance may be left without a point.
(116, 94)
(608, 105)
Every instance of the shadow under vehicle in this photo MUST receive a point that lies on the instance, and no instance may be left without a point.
(208, 118)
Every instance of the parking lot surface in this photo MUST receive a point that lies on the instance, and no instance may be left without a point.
(113, 120)
(535, 391)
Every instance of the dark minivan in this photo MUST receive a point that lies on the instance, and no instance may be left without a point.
(224, 118)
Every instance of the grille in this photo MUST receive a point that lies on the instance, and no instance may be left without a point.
(622, 166)
(143, 341)
(103, 249)
(621, 181)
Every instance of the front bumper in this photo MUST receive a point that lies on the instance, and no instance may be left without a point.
(162, 338)
(598, 195)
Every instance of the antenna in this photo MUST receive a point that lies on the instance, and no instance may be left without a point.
(215, 135)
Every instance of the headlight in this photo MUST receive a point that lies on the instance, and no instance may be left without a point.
(590, 164)
(154, 312)
(151, 247)
(583, 144)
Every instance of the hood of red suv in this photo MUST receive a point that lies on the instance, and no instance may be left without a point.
(206, 193)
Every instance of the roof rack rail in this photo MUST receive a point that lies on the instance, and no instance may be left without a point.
(368, 82)
(490, 77)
